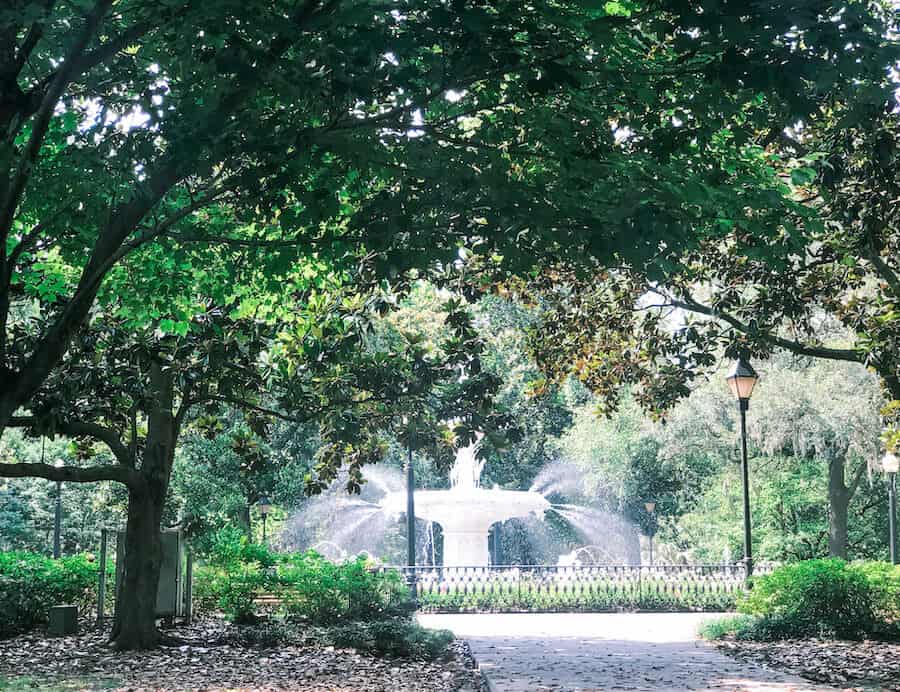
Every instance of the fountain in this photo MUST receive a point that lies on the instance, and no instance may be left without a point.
(338, 524)
(466, 511)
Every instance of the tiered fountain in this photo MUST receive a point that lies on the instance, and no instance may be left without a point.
(340, 525)
(466, 511)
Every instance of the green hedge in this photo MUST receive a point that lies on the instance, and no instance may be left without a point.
(30, 584)
(818, 598)
(596, 595)
(302, 586)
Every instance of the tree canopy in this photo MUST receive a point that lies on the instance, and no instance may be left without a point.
(209, 204)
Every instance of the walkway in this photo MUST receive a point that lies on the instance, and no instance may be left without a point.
(579, 652)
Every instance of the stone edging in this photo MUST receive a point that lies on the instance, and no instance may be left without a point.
(489, 684)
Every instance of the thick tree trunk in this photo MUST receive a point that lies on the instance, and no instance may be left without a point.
(135, 619)
(838, 504)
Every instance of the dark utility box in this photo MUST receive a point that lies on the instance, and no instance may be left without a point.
(63, 621)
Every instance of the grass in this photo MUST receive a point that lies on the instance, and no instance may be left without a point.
(720, 628)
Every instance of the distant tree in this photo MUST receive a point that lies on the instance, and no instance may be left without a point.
(814, 430)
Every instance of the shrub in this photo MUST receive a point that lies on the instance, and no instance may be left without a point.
(398, 637)
(30, 584)
(813, 598)
(395, 637)
(231, 547)
(324, 592)
(884, 580)
(305, 585)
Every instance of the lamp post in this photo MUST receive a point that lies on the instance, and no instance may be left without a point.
(57, 519)
(650, 506)
(410, 522)
(890, 464)
(265, 506)
(741, 380)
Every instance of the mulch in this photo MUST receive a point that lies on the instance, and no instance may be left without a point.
(865, 665)
(34, 661)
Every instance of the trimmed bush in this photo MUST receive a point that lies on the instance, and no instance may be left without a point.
(813, 598)
(884, 580)
(302, 586)
(818, 598)
(30, 584)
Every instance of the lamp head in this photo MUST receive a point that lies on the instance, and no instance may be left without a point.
(264, 505)
(741, 379)
(650, 506)
(890, 463)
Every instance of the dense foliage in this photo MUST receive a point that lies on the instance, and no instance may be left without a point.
(30, 584)
(203, 204)
(238, 575)
(281, 598)
(819, 598)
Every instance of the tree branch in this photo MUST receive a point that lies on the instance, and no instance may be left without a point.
(885, 272)
(39, 128)
(108, 436)
(27, 240)
(72, 474)
(791, 345)
(35, 32)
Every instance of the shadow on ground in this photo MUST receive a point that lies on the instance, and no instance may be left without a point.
(640, 651)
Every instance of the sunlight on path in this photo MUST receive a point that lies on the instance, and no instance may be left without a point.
(628, 651)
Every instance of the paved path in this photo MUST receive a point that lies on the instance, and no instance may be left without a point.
(629, 651)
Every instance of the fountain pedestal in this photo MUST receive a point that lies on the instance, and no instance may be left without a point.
(465, 516)
(466, 548)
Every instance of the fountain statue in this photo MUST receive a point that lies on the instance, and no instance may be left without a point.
(466, 511)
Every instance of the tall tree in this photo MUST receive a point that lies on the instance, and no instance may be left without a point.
(414, 128)
(134, 392)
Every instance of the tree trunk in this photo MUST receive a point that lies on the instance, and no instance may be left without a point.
(838, 504)
(135, 618)
(245, 521)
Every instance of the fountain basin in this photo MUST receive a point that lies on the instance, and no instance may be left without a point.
(466, 515)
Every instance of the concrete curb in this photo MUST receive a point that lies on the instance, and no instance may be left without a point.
(490, 684)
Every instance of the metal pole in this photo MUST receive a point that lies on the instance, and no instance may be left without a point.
(892, 516)
(57, 521)
(410, 524)
(264, 518)
(189, 587)
(101, 586)
(651, 549)
(745, 474)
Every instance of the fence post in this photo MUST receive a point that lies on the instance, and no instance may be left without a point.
(189, 587)
(101, 585)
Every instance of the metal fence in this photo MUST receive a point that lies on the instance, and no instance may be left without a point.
(516, 588)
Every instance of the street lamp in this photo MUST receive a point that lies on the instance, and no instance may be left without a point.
(264, 506)
(741, 380)
(650, 506)
(57, 519)
(890, 464)
(410, 521)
